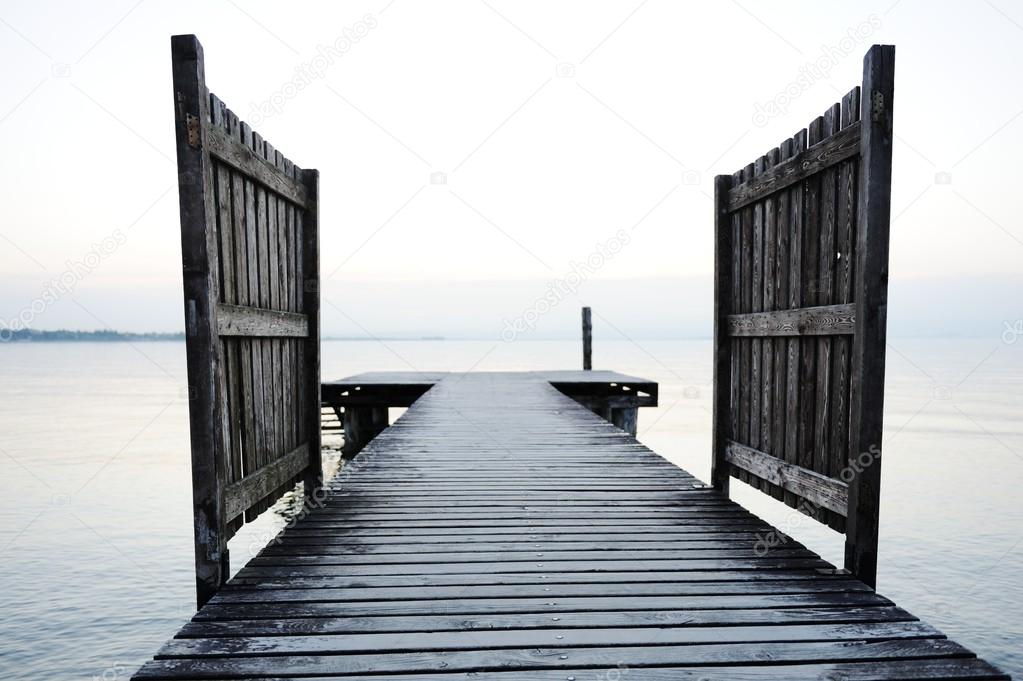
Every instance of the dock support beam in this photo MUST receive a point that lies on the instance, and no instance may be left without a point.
(626, 418)
(362, 424)
(587, 340)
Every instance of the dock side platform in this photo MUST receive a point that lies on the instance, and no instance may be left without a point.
(500, 530)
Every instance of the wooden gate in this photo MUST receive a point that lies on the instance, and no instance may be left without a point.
(249, 242)
(800, 299)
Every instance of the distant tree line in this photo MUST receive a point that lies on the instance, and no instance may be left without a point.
(63, 335)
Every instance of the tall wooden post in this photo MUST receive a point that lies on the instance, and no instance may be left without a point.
(722, 364)
(313, 478)
(868, 351)
(587, 340)
(201, 288)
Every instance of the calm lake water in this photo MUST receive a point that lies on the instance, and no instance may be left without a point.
(96, 569)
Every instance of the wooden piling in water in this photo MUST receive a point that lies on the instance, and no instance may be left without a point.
(587, 340)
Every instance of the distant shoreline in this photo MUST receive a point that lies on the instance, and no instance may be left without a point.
(69, 336)
(64, 336)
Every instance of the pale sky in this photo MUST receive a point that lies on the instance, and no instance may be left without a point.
(556, 125)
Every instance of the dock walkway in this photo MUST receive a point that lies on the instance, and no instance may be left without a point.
(500, 530)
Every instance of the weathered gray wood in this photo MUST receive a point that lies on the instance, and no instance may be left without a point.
(781, 301)
(724, 384)
(626, 418)
(247, 161)
(795, 300)
(554, 657)
(825, 286)
(745, 346)
(274, 345)
(871, 281)
(413, 623)
(733, 347)
(233, 191)
(767, 387)
(824, 320)
(237, 320)
(199, 249)
(879, 670)
(756, 378)
(818, 489)
(361, 425)
(845, 230)
(310, 389)
(796, 317)
(257, 485)
(534, 540)
(820, 156)
(459, 531)
(232, 389)
(484, 639)
(587, 340)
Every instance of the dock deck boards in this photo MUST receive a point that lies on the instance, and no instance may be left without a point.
(499, 530)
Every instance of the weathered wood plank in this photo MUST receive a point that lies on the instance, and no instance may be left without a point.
(814, 487)
(310, 287)
(564, 637)
(871, 294)
(725, 386)
(825, 287)
(199, 252)
(795, 300)
(237, 320)
(756, 305)
(824, 320)
(746, 345)
(417, 623)
(781, 296)
(821, 155)
(256, 485)
(555, 657)
(244, 158)
(845, 229)
(810, 261)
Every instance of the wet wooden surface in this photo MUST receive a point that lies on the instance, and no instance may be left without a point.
(499, 530)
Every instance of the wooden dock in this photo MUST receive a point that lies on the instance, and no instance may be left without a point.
(500, 530)
(509, 526)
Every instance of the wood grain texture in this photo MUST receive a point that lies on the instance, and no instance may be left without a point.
(824, 320)
(871, 295)
(725, 387)
(499, 529)
(246, 160)
(237, 320)
(201, 284)
(820, 156)
(238, 199)
(587, 320)
(798, 276)
(818, 489)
